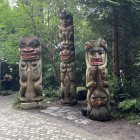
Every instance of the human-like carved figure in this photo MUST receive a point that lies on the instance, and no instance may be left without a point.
(30, 69)
(98, 107)
(66, 30)
(67, 75)
(67, 56)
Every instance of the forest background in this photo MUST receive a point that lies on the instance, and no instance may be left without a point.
(117, 21)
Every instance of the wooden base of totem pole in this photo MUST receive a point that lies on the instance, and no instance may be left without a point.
(30, 105)
(66, 103)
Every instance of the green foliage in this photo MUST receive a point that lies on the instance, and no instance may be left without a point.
(133, 117)
(130, 109)
(129, 105)
(91, 19)
(51, 94)
(132, 87)
(49, 80)
(137, 63)
(16, 103)
(114, 85)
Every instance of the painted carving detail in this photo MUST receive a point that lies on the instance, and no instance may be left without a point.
(66, 30)
(98, 107)
(67, 57)
(30, 69)
(67, 83)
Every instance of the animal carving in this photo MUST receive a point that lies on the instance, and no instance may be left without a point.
(96, 80)
(67, 78)
(30, 69)
(67, 74)
(67, 57)
(66, 30)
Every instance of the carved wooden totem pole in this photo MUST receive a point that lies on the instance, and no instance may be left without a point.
(67, 56)
(98, 107)
(30, 70)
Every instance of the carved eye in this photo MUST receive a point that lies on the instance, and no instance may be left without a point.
(93, 97)
(100, 52)
(34, 43)
(103, 97)
(67, 17)
(71, 48)
(22, 44)
(62, 48)
(92, 52)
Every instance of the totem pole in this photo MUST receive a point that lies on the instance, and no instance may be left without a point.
(67, 56)
(30, 70)
(98, 107)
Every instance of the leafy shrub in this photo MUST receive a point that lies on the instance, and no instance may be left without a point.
(114, 87)
(51, 94)
(129, 105)
(132, 87)
(133, 117)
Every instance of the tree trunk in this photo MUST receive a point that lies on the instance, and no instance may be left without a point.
(116, 69)
(127, 39)
(0, 76)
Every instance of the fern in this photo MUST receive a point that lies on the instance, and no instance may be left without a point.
(131, 105)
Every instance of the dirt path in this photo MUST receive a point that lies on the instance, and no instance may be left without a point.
(58, 122)
(115, 129)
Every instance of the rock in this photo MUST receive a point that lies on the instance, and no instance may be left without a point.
(53, 108)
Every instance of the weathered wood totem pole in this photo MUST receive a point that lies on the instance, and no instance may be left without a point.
(67, 56)
(30, 70)
(98, 98)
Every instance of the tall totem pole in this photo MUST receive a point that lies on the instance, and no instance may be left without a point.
(30, 70)
(67, 56)
(98, 97)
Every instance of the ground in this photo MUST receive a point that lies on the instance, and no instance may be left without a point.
(57, 122)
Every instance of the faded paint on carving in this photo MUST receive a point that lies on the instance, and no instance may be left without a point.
(30, 69)
(98, 107)
(67, 56)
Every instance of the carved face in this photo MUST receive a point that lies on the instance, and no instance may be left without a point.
(29, 48)
(66, 53)
(65, 19)
(99, 102)
(98, 99)
(96, 53)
